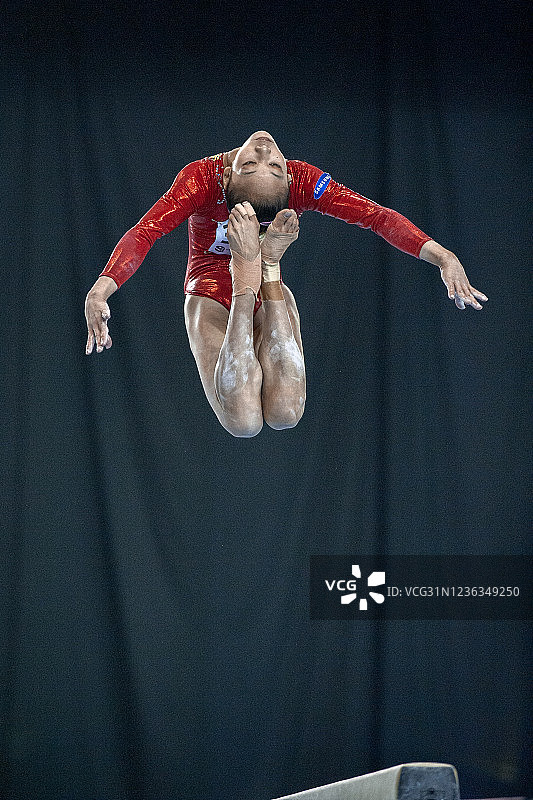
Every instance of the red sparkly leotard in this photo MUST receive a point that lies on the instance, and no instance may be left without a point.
(197, 195)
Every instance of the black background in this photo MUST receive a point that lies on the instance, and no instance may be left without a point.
(154, 588)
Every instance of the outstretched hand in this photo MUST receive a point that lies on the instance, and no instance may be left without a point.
(97, 314)
(458, 285)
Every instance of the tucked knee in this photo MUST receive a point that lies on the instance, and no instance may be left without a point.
(242, 415)
(244, 429)
(284, 415)
(246, 423)
(280, 424)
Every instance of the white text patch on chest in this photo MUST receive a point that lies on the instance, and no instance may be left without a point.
(221, 245)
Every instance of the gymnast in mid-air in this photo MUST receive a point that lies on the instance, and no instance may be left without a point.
(243, 208)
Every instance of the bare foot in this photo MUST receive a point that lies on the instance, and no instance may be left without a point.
(243, 231)
(281, 232)
(243, 239)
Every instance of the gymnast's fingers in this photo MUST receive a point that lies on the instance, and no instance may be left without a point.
(90, 342)
(101, 339)
(467, 296)
(102, 333)
(249, 208)
(459, 301)
(478, 294)
(244, 209)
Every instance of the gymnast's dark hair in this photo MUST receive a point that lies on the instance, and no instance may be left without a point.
(265, 208)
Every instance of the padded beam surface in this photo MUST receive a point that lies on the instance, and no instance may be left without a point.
(418, 781)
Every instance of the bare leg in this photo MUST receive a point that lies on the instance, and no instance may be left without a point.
(206, 322)
(222, 344)
(280, 352)
(238, 374)
(250, 367)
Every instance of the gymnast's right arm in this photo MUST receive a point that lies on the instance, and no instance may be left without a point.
(176, 205)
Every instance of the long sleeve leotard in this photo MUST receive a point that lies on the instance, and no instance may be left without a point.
(197, 195)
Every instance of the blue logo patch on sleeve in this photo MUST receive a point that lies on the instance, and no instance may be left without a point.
(321, 184)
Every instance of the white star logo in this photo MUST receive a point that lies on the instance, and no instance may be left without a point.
(374, 579)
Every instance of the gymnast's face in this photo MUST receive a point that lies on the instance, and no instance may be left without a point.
(259, 168)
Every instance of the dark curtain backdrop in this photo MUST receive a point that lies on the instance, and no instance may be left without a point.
(156, 640)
